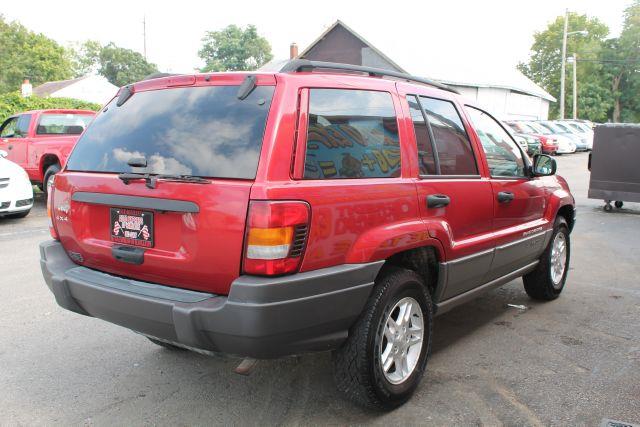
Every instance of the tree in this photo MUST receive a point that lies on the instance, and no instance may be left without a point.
(85, 57)
(626, 72)
(118, 65)
(25, 54)
(545, 63)
(234, 49)
(122, 66)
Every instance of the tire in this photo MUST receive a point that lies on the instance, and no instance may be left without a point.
(19, 215)
(358, 369)
(166, 345)
(540, 283)
(48, 174)
(619, 204)
(608, 207)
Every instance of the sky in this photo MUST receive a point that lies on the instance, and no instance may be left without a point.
(469, 33)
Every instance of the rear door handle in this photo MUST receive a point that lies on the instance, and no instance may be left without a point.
(505, 197)
(438, 200)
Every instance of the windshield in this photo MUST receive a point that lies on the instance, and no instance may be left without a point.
(540, 129)
(63, 124)
(552, 127)
(563, 127)
(200, 131)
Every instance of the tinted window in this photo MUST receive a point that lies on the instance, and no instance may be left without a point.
(63, 124)
(201, 131)
(351, 134)
(426, 160)
(503, 155)
(22, 127)
(452, 143)
(9, 128)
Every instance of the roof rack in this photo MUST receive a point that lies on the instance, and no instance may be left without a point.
(298, 65)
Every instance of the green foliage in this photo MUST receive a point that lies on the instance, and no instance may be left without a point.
(545, 62)
(12, 103)
(25, 54)
(118, 65)
(85, 57)
(608, 69)
(234, 49)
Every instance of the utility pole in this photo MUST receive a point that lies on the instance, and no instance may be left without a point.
(575, 86)
(562, 65)
(144, 35)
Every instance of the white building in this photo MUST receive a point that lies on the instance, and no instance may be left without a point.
(501, 89)
(90, 88)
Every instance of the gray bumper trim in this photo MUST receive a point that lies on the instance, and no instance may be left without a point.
(261, 317)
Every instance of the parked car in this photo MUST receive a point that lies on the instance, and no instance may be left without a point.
(581, 129)
(270, 214)
(575, 140)
(548, 144)
(16, 192)
(529, 143)
(565, 144)
(583, 143)
(40, 140)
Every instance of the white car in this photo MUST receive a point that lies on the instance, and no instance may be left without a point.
(16, 192)
(565, 145)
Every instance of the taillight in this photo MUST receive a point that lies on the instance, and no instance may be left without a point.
(276, 236)
(50, 191)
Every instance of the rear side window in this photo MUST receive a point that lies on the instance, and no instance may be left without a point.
(453, 148)
(351, 134)
(63, 124)
(199, 131)
(426, 159)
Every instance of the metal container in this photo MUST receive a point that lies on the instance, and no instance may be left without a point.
(615, 164)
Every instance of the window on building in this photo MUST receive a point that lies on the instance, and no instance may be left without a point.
(351, 134)
(455, 155)
(503, 155)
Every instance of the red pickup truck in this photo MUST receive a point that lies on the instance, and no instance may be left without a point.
(40, 140)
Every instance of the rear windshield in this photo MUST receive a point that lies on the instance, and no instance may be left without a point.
(63, 124)
(199, 131)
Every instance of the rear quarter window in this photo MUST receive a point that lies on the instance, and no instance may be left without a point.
(199, 131)
(351, 134)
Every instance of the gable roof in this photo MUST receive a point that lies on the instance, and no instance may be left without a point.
(48, 88)
(356, 35)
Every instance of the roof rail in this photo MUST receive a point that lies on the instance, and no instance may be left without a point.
(298, 65)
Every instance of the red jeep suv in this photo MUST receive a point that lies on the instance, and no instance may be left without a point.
(322, 207)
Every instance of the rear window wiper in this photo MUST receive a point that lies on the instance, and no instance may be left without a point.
(151, 179)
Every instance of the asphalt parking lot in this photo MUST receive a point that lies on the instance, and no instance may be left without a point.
(573, 361)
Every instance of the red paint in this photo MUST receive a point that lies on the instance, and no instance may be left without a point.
(351, 220)
(34, 152)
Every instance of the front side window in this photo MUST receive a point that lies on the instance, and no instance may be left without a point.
(455, 155)
(63, 124)
(9, 128)
(351, 134)
(22, 126)
(503, 155)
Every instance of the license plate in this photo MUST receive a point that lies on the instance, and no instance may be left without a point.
(132, 227)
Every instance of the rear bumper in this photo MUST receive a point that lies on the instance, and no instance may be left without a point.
(260, 318)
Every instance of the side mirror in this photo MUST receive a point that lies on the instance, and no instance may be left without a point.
(3, 154)
(543, 165)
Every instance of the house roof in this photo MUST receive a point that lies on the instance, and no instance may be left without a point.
(486, 75)
(48, 88)
(502, 76)
(358, 36)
